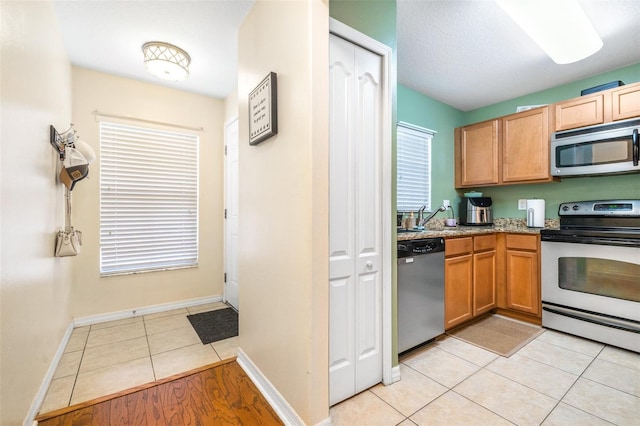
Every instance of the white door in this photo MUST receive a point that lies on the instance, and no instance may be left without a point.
(355, 217)
(231, 213)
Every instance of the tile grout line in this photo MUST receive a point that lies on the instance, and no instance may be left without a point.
(573, 384)
(75, 379)
(146, 335)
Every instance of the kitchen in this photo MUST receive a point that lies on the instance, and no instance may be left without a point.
(503, 199)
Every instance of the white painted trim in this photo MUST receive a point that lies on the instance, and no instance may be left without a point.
(136, 312)
(48, 377)
(395, 374)
(325, 422)
(388, 243)
(280, 405)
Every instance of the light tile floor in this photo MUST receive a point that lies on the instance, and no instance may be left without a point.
(557, 379)
(109, 357)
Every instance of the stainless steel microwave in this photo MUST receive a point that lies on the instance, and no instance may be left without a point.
(596, 150)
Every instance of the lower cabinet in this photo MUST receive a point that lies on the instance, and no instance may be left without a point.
(470, 278)
(522, 279)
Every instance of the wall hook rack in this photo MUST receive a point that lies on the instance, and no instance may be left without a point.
(60, 141)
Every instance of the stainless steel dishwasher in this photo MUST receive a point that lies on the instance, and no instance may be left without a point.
(420, 291)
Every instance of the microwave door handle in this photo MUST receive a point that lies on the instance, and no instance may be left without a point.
(635, 144)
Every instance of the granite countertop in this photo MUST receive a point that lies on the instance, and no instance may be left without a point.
(437, 228)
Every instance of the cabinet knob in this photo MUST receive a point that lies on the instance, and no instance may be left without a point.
(369, 264)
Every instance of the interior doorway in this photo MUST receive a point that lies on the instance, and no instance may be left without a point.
(231, 223)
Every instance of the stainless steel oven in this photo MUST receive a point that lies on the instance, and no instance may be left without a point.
(591, 272)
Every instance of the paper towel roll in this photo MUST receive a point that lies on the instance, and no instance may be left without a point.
(535, 213)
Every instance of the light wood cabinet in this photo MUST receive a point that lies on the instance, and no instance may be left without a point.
(584, 111)
(525, 146)
(477, 154)
(522, 279)
(470, 278)
(625, 102)
(484, 273)
(601, 107)
(508, 150)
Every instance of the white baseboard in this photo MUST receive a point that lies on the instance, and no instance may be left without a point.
(325, 422)
(48, 377)
(395, 374)
(96, 319)
(130, 313)
(286, 413)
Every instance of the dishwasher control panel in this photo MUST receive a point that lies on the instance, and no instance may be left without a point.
(420, 247)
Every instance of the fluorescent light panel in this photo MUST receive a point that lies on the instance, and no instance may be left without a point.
(559, 27)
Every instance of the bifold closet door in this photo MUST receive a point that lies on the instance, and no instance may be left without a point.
(355, 216)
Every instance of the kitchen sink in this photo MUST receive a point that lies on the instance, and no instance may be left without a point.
(404, 231)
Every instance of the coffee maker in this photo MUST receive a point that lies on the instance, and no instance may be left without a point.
(476, 211)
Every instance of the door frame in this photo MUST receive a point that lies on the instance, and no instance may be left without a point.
(389, 373)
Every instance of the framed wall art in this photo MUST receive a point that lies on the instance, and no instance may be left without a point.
(263, 110)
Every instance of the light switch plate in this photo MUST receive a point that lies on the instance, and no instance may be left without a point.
(522, 204)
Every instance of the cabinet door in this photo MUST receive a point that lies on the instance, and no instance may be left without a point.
(525, 146)
(579, 112)
(477, 155)
(457, 290)
(484, 282)
(523, 281)
(625, 102)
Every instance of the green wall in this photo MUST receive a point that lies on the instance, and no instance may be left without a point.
(421, 110)
(629, 74)
(424, 111)
(375, 18)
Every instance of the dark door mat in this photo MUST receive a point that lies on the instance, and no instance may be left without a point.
(215, 325)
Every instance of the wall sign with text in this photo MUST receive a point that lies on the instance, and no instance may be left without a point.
(263, 110)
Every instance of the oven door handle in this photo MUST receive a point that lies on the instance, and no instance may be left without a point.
(635, 144)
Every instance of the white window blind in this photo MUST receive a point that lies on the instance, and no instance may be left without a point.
(148, 199)
(413, 167)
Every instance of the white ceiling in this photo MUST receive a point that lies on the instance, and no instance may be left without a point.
(465, 53)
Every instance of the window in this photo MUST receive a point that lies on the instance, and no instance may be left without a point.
(148, 199)
(413, 167)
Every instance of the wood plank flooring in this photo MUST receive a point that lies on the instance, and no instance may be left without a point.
(218, 394)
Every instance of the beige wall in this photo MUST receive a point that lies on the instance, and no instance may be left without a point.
(283, 250)
(35, 89)
(108, 94)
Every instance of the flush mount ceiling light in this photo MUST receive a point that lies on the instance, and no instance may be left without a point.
(559, 27)
(166, 61)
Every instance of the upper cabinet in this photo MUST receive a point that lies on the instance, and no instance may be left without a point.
(601, 107)
(477, 154)
(507, 150)
(514, 149)
(525, 147)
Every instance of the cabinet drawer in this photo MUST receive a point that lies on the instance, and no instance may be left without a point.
(458, 246)
(522, 242)
(484, 242)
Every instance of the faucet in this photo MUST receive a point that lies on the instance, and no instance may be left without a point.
(421, 214)
(439, 209)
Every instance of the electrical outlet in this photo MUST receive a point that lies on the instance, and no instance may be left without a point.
(446, 203)
(522, 204)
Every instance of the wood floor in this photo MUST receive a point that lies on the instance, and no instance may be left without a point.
(218, 394)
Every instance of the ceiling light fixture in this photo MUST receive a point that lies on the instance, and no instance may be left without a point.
(559, 27)
(166, 61)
